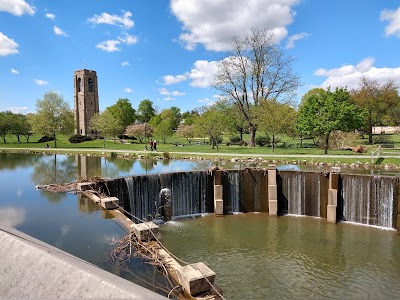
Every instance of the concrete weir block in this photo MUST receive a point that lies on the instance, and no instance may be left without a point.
(331, 214)
(109, 202)
(332, 197)
(193, 278)
(218, 190)
(143, 231)
(272, 192)
(84, 186)
(218, 206)
(273, 207)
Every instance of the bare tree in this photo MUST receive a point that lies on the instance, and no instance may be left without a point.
(255, 69)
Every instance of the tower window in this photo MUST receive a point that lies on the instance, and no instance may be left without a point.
(79, 84)
(90, 84)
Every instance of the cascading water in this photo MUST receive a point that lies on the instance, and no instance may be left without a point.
(231, 192)
(301, 193)
(166, 195)
(369, 200)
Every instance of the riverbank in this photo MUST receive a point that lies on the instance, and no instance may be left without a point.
(386, 161)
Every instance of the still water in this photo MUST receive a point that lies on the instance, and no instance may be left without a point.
(254, 256)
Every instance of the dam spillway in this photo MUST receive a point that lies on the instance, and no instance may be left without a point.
(363, 199)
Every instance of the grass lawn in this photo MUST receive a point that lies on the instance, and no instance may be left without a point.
(292, 147)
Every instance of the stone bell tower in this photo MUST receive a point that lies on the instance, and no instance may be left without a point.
(86, 101)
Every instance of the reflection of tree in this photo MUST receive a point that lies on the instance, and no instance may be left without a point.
(147, 164)
(10, 161)
(124, 165)
(165, 162)
(54, 169)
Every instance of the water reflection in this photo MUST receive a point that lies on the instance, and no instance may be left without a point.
(258, 257)
(54, 169)
(12, 216)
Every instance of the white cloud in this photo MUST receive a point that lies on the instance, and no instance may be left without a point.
(164, 91)
(177, 94)
(125, 63)
(128, 39)
(170, 79)
(41, 82)
(17, 110)
(109, 45)
(7, 46)
(128, 90)
(201, 74)
(13, 71)
(393, 16)
(294, 38)
(349, 75)
(169, 99)
(213, 23)
(17, 7)
(105, 18)
(50, 16)
(59, 31)
(207, 101)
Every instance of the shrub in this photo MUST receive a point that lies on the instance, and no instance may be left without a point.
(113, 155)
(235, 139)
(166, 155)
(76, 139)
(45, 139)
(242, 143)
(262, 140)
(381, 139)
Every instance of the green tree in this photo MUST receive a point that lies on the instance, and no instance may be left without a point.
(189, 117)
(20, 126)
(377, 100)
(324, 112)
(212, 123)
(107, 124)
(5, 124)
(164, 128)
(145, 111)
(253, 70)
(176, 116)
(53, 116)
(276, 118)
(234, 119)
(123, 112)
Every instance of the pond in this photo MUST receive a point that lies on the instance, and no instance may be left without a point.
(254, 256)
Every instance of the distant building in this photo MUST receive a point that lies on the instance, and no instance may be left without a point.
(86, 101)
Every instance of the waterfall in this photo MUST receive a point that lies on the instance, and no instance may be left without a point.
(300, 192)
(368, 200)
(143, 195)
(231, 193)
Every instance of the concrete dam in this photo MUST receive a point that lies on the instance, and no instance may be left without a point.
(364, 199)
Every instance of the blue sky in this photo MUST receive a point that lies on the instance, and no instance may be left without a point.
(167, 51)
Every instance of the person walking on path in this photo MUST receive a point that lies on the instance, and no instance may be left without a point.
(151, 145)
(155, 145)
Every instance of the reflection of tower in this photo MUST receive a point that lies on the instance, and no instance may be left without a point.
(88, 166)
(86, 100)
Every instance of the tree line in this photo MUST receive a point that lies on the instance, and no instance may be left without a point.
(257, 87)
